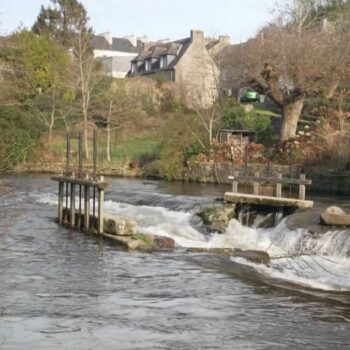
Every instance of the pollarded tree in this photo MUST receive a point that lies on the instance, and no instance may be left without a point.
(301, 54)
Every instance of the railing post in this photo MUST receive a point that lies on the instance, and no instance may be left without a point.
(256, 184)
(72, 205)
(60, 201)
(101, 198)
(235, 182)
(302, 188)
(86, 208)
(279, 186)
(246, 156)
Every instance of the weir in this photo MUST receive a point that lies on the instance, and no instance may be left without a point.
(277, 200)
(81, 186)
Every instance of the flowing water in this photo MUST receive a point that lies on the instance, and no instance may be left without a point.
(66, 290)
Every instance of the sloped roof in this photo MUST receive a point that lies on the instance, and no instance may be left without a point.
(118, 44)
(175, 48)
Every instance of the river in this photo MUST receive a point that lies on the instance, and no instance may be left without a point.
(66, 290)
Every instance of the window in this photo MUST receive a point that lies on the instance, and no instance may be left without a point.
(148, 65)
(163, 62)
(133, 67)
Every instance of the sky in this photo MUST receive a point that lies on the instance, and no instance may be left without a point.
(158, 19)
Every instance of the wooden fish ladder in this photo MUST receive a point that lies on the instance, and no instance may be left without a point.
(84, 187)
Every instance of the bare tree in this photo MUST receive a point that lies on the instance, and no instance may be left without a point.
(67, 22)
(120, 103)
(301, 54)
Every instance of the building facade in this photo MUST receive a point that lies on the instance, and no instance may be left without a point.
(116, 54)
(187, 63)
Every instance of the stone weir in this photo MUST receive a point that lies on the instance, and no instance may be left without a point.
(87, 189)
(276, 200)
(122, 230)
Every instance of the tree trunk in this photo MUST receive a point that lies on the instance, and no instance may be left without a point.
(108, 150)
(108, 143)
(329, 93)
(86, 139)
(290, 117)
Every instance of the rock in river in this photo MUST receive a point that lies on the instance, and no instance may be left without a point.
(335, 216)
(219, 217)
(119, 225)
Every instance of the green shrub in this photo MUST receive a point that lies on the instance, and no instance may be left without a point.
(236, 118)
(19, 133)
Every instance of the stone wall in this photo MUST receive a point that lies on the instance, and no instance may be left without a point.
(324, 180)
(196, 74)
(219, 172)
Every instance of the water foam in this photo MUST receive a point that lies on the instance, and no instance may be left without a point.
(297, 256)
(318, 262)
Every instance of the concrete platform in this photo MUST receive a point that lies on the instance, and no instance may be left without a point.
(232, 197)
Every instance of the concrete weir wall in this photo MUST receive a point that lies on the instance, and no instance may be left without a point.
(324, 180)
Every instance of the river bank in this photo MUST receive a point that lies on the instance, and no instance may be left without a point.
(324, 180)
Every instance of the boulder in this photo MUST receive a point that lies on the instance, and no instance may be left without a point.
(218, 217)
(135, 242)
(163, 242)
(142, 242)
(255, 256)
(119, 225)
(335, 216)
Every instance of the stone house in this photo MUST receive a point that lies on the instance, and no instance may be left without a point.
(187, 63)
(117, 53)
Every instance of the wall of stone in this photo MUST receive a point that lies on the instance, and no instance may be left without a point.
(219, 172)
(196, 74)
(324, 180)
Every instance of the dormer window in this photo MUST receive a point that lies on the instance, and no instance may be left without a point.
(148, 65)
(134, 67)
(163, 62)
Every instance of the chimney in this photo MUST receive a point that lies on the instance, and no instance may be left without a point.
(225, 39)
(197, 36)
(132, 39)
(143, 39)
(108, 36)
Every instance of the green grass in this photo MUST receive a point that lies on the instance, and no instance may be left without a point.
(140, 147)
(135, 148)
(261, 110)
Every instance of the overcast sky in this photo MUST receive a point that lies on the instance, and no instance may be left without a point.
(159, 19)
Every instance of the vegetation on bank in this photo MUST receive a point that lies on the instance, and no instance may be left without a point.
(52, 85)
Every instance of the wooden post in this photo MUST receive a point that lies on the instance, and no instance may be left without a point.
(279, 186)
(60, 201)
(246, 160)
(235, 182)
(66, 212)
(79, 216)
(72, 205)
(302, 188)
(86, 207)
(101, 198)
(256, 184)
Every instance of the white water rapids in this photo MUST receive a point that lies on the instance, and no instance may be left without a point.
(298, 257)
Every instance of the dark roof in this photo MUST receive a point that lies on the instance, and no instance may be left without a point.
(175, 48)
(118, 44)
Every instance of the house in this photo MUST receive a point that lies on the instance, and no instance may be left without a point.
(117, 53)
(187, 63)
